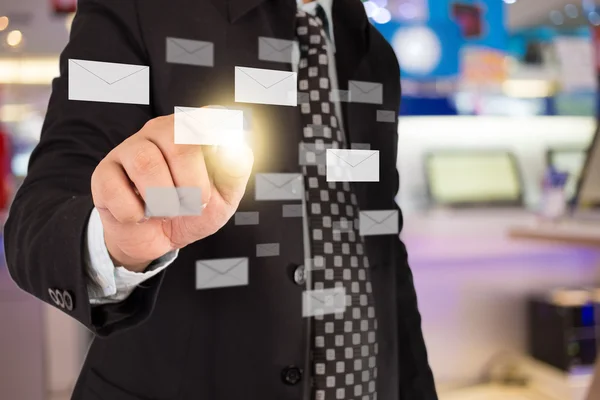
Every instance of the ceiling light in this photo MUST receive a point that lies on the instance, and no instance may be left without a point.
(594, 18)
(3, 23)
(510, 1)
(14, 38)
(383, 16)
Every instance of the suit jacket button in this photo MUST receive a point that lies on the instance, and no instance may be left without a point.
(291, 375)
(68, 300)
(52, 294)
(300, 275)
(60, 301)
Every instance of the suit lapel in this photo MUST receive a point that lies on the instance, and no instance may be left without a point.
(350, 29)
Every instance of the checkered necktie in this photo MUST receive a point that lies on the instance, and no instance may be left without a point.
(344, 345)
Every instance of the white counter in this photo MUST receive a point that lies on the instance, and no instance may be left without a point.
(473, 280)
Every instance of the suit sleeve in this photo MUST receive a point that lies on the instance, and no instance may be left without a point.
(45, 230)
(416, 381)
(111, 283)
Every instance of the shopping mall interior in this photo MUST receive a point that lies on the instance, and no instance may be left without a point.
(499, 163)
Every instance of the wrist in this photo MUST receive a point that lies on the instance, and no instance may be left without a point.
(121, 259)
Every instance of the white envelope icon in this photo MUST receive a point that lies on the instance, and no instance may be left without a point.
(365, 92)
(208, 126)
(279, 187)
(266, 86)
(380, 222)
(222, 272)
(109, 82)
(345, 165)
(323, 301)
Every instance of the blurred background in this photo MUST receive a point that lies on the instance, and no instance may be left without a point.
(500, 188)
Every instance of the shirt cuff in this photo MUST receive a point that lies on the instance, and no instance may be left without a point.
(109, 283)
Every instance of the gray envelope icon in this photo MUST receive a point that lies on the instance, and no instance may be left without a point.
(292, 210)
(386, 116)
(279, 186)
(380, 222)
(323, 301)
(360, 146)
(303, 98)
(173, 202)
(246, 218)
(318, 131)
(344, 225)
(313, 153)
(366, 92)
(267, 250)
(223, 272)
(340, 96)
(190, 52)
(277, 50)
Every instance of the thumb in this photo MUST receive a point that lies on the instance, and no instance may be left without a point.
(231, 167)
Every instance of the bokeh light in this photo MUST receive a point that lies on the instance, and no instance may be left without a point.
(557, 17)
(14, 38)
(370, 8)
(382, 16)
(571, 11)
(3, 23)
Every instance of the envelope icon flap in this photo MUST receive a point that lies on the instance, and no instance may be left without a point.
(222, 267)
(110, 73)
(280, 185)
(379, 217)
(353, 157)
(276, 44)
(266, 78)
(366, 87)
(189, 46)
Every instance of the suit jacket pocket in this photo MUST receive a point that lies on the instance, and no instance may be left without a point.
(98, 388)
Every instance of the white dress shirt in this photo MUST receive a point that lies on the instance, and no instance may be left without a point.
(109, 283)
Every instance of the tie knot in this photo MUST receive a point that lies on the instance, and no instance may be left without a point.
(308, 25)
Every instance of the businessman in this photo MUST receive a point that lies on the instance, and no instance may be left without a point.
(268, 292)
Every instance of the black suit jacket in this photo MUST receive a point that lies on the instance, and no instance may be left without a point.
(168, 340)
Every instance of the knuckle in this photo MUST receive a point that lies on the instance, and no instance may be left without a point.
(104, 187)
(152, 124)
(157, 123)
(146, 159)
(129, 216)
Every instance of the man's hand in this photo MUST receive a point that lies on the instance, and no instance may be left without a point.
(149, 159)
